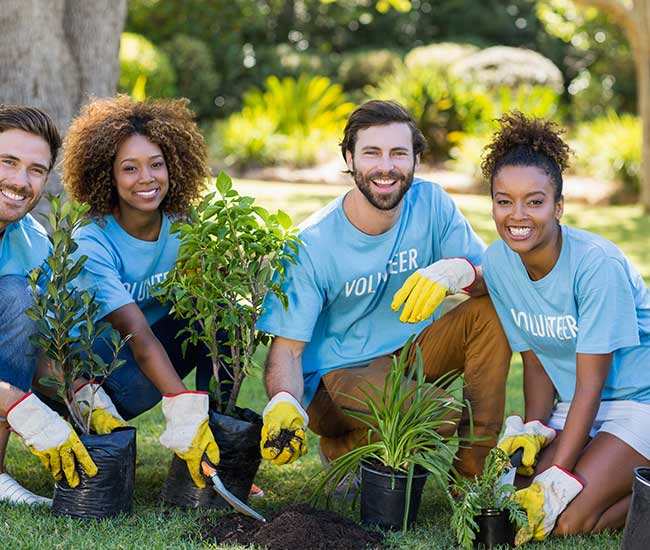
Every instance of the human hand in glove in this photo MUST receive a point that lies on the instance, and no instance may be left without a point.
(425, 289)
(50, 438)
(546, 498)
(188, 433)
(105, 417)
(284, 439)
(531, 437)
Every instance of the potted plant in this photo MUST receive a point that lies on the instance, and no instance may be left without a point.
(66, 331)
(230, 249)
(484, 512)
(404, 443)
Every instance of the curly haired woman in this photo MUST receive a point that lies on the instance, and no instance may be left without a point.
(139, 166)
(579, 313)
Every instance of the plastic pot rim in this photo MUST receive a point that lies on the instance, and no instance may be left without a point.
(366, 466)
(639, 477)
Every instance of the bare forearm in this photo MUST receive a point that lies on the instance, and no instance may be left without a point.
(478, 288)
(539, 392)
(284, 371)
(8, 396)
(153, 361)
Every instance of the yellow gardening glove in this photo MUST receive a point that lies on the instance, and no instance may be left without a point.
(424, 290)
(284, 439)
(531, 436)
(188, 432)
(546, 498)
(50, 438)
(105, 417)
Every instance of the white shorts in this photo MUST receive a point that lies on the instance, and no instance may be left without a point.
(627, 420)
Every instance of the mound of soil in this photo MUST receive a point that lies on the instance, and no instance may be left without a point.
(298, 526)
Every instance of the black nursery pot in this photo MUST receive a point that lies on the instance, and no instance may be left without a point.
(494, 528)
(110, 492)
(383, 497)
(239, 448)
(637, 527)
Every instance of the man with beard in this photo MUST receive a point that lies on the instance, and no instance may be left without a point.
(29, 142)
(363, 253)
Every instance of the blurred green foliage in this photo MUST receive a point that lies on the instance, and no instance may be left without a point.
(145, 69)
(609, 148)
(367, 67)
(292, 121)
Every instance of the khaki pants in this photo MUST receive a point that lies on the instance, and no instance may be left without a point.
(469, 339)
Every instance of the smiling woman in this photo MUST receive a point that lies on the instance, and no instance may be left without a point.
(579, 313)
(140, 165)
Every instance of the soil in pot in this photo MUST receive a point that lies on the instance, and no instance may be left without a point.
(383, 496)
(110, 492)
(494, 528)
(298, 526)
(637, 526)
(239, 446)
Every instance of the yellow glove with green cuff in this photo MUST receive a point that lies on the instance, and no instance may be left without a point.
(546, 498)
(105, 417)
(531, 436)
(425, 289)
(284, 439)
(188, 433)
(50, 438)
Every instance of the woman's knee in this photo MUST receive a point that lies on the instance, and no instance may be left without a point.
(576, 520)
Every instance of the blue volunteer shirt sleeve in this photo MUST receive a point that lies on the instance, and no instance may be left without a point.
(101, 275)
(607, 318)
(305, 300)
(457, 237)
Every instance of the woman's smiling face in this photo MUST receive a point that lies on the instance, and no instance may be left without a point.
(524, 209)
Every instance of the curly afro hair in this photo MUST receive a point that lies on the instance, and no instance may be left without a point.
(95, 135)
(525, 141)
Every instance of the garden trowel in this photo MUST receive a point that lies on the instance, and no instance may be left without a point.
(509, 472)
(220, 488)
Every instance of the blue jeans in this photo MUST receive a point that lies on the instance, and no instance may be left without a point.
(17, 354)
(128, 387)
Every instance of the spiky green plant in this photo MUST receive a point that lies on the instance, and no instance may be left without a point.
(404, 419)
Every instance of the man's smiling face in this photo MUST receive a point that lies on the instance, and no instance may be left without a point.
(25, 162)
(383, 163)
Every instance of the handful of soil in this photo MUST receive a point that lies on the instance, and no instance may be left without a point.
(298, 526)
(284, 438)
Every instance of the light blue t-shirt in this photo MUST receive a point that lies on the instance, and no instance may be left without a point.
(592, 301)
(342, 286)
(23, 247)
(123, 269)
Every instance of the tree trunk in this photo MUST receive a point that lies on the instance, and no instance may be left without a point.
(58, 53)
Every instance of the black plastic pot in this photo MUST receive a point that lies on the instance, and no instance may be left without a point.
(494, 528)
(110, 492)
(239, 447)
(637, 526)
(383, 497)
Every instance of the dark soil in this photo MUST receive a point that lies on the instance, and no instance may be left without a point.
(298, 526)
(282, 441)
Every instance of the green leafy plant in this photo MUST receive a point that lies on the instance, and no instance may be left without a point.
(480, 493)
(66, 318)
(230, 249)
(289, 121)
(404, 419)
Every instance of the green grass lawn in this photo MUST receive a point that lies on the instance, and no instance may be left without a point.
(154, 526)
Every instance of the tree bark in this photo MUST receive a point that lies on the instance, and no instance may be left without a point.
(634, 17)
(58, 53)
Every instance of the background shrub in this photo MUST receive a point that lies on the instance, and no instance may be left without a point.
(145, 68)
(609, 148)
(196, 78)
(292, 121)
(367, 67)
(441, 54)
(442, 106)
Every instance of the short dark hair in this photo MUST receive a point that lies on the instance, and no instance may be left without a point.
(33, 121)
(379, 113)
